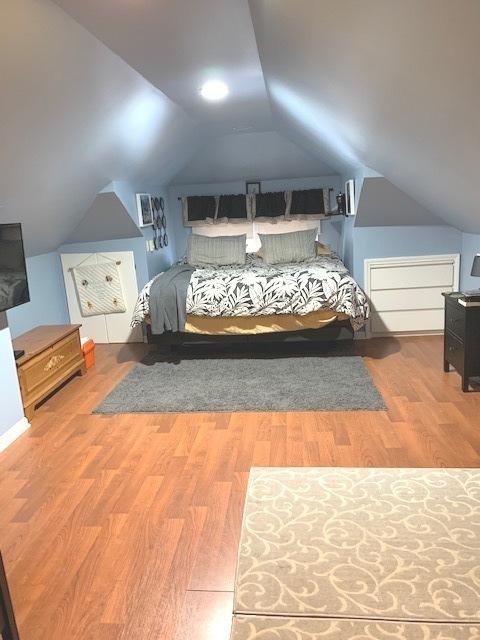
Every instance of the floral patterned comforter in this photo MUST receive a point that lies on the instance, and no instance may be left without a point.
(260, 289)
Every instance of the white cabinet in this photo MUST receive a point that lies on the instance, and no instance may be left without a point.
(113, 327)
(406, 293)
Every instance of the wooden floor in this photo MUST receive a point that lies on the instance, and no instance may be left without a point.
(126, 527)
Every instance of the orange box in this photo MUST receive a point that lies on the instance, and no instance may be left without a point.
(88, 349)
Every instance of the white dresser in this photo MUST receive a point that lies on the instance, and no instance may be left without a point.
(406, 293)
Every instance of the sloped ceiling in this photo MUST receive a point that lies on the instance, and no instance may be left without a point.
(106, 219)
(73, 117)
(394, 85)
(382, 204)
(266, 156)
(179, 44)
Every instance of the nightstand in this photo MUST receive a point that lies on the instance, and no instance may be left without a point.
(52, 355)
(461, 347)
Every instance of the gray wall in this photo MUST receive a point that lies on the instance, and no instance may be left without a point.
(106, 219)
(381, 204)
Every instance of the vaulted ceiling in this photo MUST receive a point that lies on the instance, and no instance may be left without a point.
(264, 155)
(390, 84)
(101, 91)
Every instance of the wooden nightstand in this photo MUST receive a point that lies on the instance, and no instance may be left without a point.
(52, 355)
(461, 338)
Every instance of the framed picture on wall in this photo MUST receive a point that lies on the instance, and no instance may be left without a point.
(144, 209)
(252, 187)
(350, 198)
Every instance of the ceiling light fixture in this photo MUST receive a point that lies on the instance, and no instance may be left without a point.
(214, 90)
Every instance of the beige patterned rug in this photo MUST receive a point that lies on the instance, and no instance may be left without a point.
(276, 628)
(359, 553)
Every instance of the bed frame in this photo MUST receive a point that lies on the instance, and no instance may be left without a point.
(339, 330)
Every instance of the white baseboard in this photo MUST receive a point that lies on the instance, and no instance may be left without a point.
(13, 433)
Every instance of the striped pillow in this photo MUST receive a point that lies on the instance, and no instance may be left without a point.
(288, 247)
(220, 250)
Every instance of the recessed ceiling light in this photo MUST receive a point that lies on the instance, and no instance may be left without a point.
(214, 90)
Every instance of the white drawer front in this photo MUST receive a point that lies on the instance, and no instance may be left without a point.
(405, 299)
(412, 320)
(411, 276)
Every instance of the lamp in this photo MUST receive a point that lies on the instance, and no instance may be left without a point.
(474, 294)
(476, 266)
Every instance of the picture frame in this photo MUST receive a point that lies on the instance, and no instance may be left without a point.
(253, 187)
(144, 209)
(350, 198)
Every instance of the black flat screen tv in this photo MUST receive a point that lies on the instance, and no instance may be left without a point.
(13, 272)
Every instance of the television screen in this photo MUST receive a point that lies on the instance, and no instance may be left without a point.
(13, 273)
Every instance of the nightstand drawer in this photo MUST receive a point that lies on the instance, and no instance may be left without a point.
(454, 351)
(455, 320)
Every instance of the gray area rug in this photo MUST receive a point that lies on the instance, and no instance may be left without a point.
(340, 383)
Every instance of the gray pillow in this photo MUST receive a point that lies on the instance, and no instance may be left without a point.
(288, 247)
(220, 250)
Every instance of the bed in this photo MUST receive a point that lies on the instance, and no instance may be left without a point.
(256, 299)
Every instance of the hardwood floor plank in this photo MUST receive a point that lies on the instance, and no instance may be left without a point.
(127, 526)
(206, 615)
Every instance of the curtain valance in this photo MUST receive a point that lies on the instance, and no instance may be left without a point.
(271, 206)
(201, 210)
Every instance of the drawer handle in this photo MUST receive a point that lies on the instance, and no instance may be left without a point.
(53, 362)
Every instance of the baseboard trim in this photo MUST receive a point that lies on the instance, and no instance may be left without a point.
(13, 433)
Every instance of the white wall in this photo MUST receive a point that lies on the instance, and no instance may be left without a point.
(11, 408)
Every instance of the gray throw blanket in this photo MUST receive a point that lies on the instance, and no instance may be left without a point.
(168, 299)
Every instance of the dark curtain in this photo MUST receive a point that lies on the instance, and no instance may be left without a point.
(270, 205)
(200, 208)
(307, 202)
(232, 207)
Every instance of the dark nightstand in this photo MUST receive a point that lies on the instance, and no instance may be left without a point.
(461, 347)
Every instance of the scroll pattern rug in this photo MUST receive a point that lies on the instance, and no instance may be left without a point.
(383, 548)
(268, 628)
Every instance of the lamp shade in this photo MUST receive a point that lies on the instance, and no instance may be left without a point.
(476, 266)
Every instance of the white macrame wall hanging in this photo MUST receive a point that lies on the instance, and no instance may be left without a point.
(99, 288)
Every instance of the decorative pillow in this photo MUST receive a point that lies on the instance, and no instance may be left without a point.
(288, 247)
(220, 250)
(323, 249)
